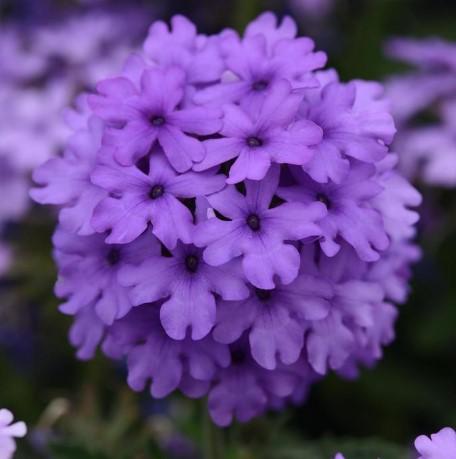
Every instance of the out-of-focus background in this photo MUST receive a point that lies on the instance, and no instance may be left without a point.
(84, 409)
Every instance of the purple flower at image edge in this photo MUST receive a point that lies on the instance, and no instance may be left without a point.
(8, 432)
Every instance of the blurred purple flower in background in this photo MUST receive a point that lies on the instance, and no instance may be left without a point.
(57, 59)
(314, 9)
(427, 150)
(253, 232)
(441, 445)
(9, 431)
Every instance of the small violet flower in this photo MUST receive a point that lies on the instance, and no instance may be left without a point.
(257, 233)
(139, 117)
(9, 431)
(441, 445)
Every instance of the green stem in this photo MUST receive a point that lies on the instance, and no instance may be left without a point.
(213, 439)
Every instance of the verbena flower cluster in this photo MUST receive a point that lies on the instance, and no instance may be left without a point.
(42, 68)
(9, 431)
(424, 105)
(231, 223)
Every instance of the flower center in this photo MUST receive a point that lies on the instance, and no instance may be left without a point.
(253, 221)
(260, 85)
(254, 142)
(157, 121)
(237, 356)
(156, 192)
(263, 295)
(113, 257)
(322, 197)
(192, 263)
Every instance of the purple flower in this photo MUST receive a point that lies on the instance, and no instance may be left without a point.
(82, 258)
(244, 389)
(315, 9)
(441, 445)
(9, 431)
(349, 214)
(275, 319)
(257, 139)
(12, 51)
(13, 190)
(259, 234)
(355, 122)
(429, 53)
(65, 180)
(396, 201)
(353, 318)
(180, 45)
(169, 364)
(417, 90)
(42, 70)
(393, 271)
(232, 223)
(265, 56)
(188, 286)
(426, 152)
(136, 198)
(150, 114)
(86, 332)
(268, 26)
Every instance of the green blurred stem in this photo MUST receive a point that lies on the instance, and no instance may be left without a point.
(213, 439)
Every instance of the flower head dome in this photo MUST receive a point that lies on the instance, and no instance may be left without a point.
(232, 222)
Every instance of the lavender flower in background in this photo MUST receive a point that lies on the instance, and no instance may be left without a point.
(315, 9)
(57, 60)
(427, 151)
(238, 233)
(14, 191)
(441, 445)
(9, 431)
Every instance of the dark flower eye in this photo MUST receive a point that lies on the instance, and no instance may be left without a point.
(253, 221)
(238, 356)
(260, 85)
(156, 192)
(263, 295)
(157, 121)
(192, 263)
(254, 142)
(113, 257)
(322, 197)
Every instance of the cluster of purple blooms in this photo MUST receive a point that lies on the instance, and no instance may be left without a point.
(42, 67)
(428, 149)
(231, 223)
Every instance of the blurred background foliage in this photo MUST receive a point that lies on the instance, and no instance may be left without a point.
(85, 410)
